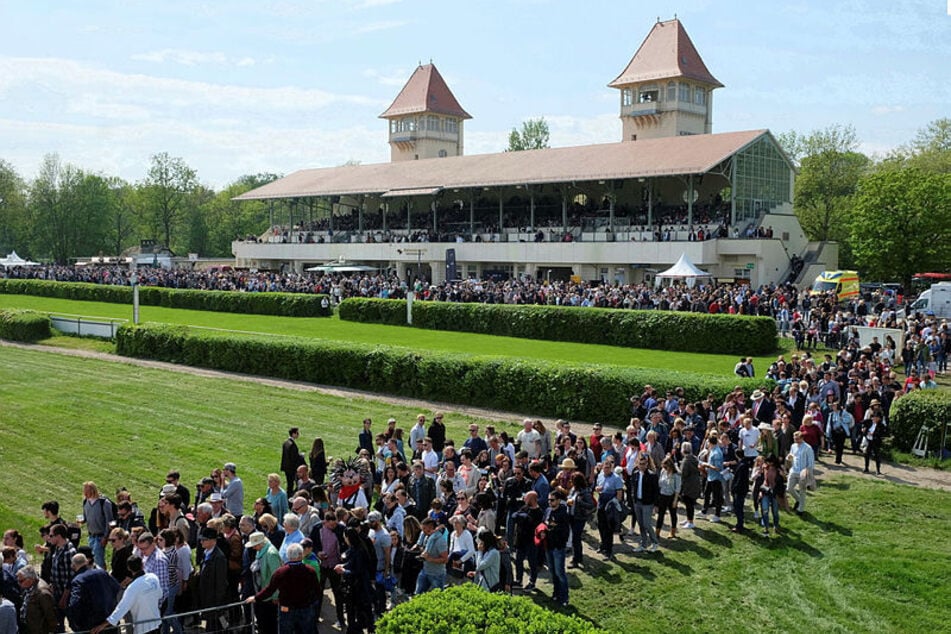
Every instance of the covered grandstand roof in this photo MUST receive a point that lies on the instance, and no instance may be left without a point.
(695, 154)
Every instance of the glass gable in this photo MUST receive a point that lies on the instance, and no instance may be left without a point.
(762, 179)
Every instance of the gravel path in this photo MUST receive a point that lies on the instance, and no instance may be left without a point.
(898, 473)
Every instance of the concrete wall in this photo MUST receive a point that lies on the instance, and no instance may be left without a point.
(627, 261)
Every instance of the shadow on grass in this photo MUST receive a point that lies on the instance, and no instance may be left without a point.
(713, 537)
(606, 569)
(838, 486)
(792, 539)
(825, 525)
(687, 545)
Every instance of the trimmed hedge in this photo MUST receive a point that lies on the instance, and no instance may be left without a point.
(24, 325)
(921, 407)
(652, 329)
(579, 392)
(279, 304)
(467, 609)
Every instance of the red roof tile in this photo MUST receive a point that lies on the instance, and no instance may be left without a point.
(666, 53)
(696, 154)
(426, 91)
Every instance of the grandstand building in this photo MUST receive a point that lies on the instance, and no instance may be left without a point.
(613, 212)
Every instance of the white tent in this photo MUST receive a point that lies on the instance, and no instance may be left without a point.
(15, 260)
(683, 269)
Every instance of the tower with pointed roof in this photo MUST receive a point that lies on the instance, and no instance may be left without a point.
(425, 119)
(666, 89)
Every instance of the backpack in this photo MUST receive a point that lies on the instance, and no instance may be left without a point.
(108, 509)
(584, 504)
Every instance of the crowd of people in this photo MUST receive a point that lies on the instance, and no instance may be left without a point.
(820, 315)
(414, 510)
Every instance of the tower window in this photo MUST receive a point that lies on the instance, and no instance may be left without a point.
(671, 91)
(648, 95)
(627, 97)
(442, 154)
(699, 96)
(684, 93)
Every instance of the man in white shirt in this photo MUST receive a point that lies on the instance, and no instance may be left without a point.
(749, 439)
(140, 600)
(529, 440)
(418, 431)
(430, 458)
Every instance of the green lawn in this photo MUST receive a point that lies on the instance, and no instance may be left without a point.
(871, 556)
(334, 328)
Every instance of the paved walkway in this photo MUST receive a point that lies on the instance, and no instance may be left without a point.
(854, 464)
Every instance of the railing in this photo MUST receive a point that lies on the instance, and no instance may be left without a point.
(101, 327)
(173, 623)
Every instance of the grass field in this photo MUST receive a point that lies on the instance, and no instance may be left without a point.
(870, 556)
(335, 329)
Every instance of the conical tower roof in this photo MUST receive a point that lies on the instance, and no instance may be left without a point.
(666, 53)
(426, 91)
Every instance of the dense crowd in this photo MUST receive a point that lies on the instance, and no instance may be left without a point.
(415, 510)
(768, 299)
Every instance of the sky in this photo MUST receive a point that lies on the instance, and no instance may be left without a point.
(238, 87)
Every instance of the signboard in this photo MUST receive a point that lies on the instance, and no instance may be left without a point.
(451, 272)
(750, 265)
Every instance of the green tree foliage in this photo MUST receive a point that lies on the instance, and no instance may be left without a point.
(901, 222)
(123, 217)
(229, 219)
(931, 148)
(533, 136)
(13, 218)
(167, 196)
(69, 211)
(829, 173)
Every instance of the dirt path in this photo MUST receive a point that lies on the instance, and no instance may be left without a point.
(854, 464)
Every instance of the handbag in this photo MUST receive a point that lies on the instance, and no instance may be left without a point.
(864, 443)
(727, 475)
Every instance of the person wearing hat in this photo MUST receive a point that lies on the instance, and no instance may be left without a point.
(265, 563)
(217, 504)
(206, 486)
(873, 431)
(212, 580)
(763, 408)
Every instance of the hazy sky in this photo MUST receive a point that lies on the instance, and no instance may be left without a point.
(237, 87)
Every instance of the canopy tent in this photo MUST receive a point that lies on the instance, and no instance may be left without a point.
(342, 266)
(683, 269)
(15, 260)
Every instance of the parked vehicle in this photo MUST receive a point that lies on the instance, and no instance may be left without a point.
(936, 300)
(844, 283)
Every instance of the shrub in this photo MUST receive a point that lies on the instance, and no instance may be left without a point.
(24, 325)
(468, 609)
(279, 304)
(931, 408)
(652, 329)
(579, 392)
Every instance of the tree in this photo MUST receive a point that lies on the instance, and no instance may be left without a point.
(534, 136)
(68, 210)
(829, 172)
(166, 194)
(901, 223)
(13, 219)
(931, 148)
(228, 219)
(122, 217)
